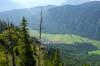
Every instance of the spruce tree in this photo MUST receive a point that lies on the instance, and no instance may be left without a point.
(28, 58)
(57, 58)
(53, 57)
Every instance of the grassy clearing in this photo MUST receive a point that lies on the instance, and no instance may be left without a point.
(65, 38)
(95, 52)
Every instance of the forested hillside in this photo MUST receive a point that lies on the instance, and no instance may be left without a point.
(17, 48)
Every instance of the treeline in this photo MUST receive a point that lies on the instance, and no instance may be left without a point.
(17, 48)
(3, 25)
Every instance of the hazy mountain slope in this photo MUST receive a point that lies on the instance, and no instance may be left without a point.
(81, 19)
(31, 14)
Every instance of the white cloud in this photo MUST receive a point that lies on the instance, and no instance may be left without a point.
(75, 2)
(30, 3)
(25, 3)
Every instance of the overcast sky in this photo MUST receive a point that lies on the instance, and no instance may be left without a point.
(18, 4)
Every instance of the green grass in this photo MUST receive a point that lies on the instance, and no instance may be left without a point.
(65, 38)
(95, 52)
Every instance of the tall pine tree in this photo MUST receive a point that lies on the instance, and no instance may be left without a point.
(28, 58)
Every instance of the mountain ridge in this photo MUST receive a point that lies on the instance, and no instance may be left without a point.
(80, 19)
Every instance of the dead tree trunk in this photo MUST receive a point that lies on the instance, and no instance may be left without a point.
(40, 32)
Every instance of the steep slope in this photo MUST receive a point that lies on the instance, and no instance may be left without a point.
(80, 19)
(83, 20)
